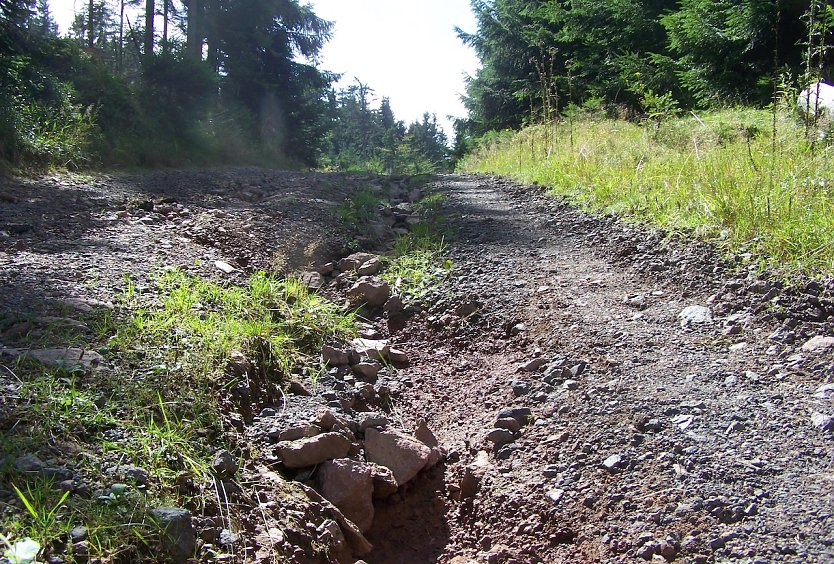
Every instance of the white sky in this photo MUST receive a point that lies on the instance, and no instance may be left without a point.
(406, 50)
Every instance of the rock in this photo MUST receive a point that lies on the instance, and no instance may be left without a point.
(223, 464)
(425, 435)
(668, 550)
(370, 290)
(521, 414)
(470, 482)
(312, 280)
(695, 315)
(384, 483)
(349, 486)
(313, 450)
(646, 552)
(571, 385)
(518, 329)
(824, 391)
(78, 534)
(177, 532)
(326, 268)
(331, 535)
(375, 349)
(398, 357)
(818, 344)
(612, 463)
(299, 432)
(138, 476)
(404, 455)
(227, 538)
(500, 437)
(297, 388)
(520, 387)
(354, 261)
(369, 267)
(28, 463)
(365, 391)
(354, 536)
(366, 370)
(509, 424)
(333, 356)
(225, 267)
(824, 423)
(68, 358)
(394, 305)
(555, 495)
(326, 419)
(375, 420)
(533, 365)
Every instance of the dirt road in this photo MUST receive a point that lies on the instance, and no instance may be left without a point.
(650, 436)
(602, 394)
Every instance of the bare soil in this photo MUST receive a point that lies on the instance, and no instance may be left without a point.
(649, 438)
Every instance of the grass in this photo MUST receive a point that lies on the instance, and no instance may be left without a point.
(721, 176)
(417, 265)
(162, 409)
(360, 208)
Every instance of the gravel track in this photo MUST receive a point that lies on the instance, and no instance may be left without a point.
(714, 456)
(649, 439)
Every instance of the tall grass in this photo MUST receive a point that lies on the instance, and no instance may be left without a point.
(721, 176)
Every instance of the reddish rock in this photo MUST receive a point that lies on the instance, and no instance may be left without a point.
(403, 455)
(349, 485)
(313, 450)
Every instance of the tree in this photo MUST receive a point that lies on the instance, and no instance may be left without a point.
(150, 15)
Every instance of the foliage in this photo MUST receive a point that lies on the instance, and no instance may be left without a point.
(367, 139)
(539, 57)
(721, 176)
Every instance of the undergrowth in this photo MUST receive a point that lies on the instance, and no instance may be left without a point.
(721, 176)
(140, 432)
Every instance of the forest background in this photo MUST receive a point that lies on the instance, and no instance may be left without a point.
(238, 82)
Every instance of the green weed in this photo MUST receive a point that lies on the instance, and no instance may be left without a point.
(360, 209)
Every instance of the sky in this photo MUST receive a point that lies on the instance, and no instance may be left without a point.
(406, 50)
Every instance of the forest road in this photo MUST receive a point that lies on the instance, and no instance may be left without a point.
(671, 415)
(603, 393)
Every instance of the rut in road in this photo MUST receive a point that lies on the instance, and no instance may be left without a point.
(650, 437)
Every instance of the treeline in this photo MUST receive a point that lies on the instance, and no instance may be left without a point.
(540, 56)
(188, 81)
(367, 138)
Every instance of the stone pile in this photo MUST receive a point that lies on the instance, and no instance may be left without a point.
(355, 462)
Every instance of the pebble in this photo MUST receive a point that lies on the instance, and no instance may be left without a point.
(612, 463)
(555, 495)
(695, 315)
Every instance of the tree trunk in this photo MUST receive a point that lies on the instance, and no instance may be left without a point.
(150, 8)
(121, 37)
(194, 33)
(165, 4)
(91, 38)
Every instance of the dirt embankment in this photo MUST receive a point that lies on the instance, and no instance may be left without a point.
(600, 394)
